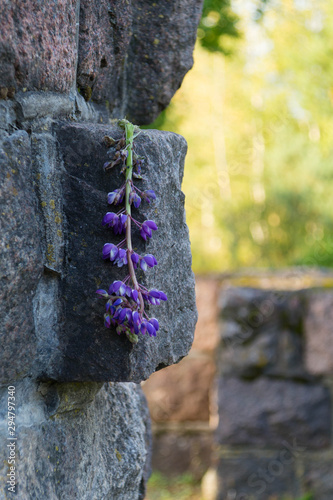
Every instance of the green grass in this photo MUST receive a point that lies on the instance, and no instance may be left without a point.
(183, 487)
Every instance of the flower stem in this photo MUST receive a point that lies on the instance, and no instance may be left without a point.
(129, 129)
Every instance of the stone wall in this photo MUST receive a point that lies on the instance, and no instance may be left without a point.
(68, 68)
(267, 411)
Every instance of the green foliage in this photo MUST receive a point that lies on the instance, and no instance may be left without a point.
(259, 171)
(217, 23)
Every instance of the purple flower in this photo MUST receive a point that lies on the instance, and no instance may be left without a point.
(143, 265)
(117, 286)
(146, 229)
(150, 329)
(109, 218)
(149, 195)
(155, 324)
(121, 258)
(135, 258)
(103, 293)
(135, 295)
(135, 199)
(150, 260)
(107, 321)
(110, 251)
(112, 196)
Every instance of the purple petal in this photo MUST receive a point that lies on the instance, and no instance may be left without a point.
(155, 294)
(135, 317)
(151, 330)
(137, 201)
(102, 292)
(108, 218)
(163, 296)
(146, 230)
(143, 234)
(112, 195)
(143, 328)
(135, 258)
(107, 321)
(106, 250)
(155, 324)
(151, 224)
(135, 295)
(143, 265)
(117, 302)
(151, 194)
(150, 260)
(115, 286)
(122, 315)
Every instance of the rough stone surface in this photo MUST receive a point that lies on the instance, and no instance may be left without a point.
(176, 453)
(78, 441)
(73, 210)
(181, 392)
(38, 45)
(261, 334)
(21, 263)
(252, 478)
(267, 412)
(101, 64)
(318, 327)
(130, 56)
(160, 54)
(206, 332)
(318, 478)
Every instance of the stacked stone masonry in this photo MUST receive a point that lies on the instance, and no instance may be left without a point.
(68, 67)
(262, 426)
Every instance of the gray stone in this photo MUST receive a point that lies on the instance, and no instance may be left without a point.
(7, 115)
(104, 35)
(21, 262)
(253, 478)
(261, 333)
(176, 453)
(160, 54)
(78, 441)
(133, 56)
(267, 412)
(32, 105)
(318, 478)
(83, 349)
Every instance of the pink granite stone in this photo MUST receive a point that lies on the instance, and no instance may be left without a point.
(37, 45)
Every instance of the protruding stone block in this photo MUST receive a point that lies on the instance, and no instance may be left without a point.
(250, 477)
(261, 333)
(267, 412)
(86, 350)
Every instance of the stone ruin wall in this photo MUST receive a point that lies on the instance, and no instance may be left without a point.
(251, 415)
(67, 68)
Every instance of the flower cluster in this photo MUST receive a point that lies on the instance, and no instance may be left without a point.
(125, 306)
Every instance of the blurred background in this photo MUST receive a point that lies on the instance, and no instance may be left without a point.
(247, 415)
